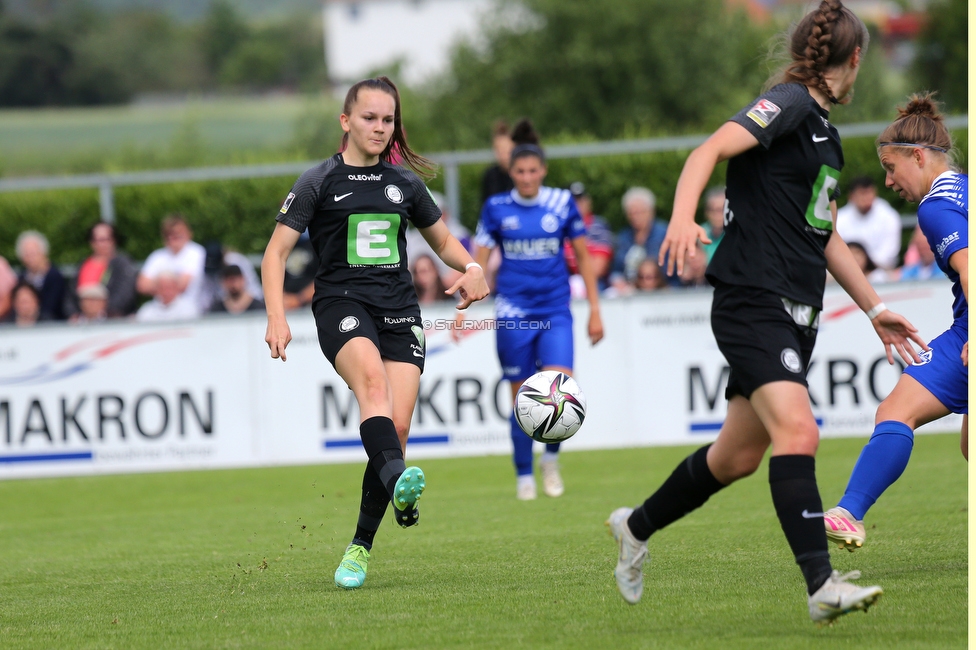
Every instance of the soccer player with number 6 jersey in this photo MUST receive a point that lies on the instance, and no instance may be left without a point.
(769, 273)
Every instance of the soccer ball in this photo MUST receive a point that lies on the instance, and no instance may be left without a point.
(550, 406)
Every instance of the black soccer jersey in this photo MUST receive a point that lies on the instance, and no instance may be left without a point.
(356, 219)
(777, 219)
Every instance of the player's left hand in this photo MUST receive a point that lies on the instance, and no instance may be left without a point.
(965, 354)
(595, 328)
(896, 332)
(471, 286)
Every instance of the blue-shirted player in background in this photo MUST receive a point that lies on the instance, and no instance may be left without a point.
(915, 151)
(535, 326)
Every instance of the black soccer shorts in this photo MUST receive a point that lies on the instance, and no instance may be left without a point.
(760, 337)
(397, 334)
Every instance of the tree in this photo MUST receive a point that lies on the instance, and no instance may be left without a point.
(943, 50)
(222, 32)
(604, 68)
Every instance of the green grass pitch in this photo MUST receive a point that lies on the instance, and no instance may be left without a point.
(244, 559)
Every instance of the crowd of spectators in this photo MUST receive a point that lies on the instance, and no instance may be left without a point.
(184, 279)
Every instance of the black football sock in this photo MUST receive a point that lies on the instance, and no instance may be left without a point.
(793, 483)
(372, 507)
(689, 486)
(383, 449)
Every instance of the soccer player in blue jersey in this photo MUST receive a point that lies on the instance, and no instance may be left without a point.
(916, 153)
(535, 326)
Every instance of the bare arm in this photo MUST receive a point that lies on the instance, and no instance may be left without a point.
(278, 334)
(893, 329)
(729, 140)
(145, 285)
(472, 285)
(595, 326)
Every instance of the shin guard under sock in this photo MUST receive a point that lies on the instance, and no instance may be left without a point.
(793, 484)
(372, 507)
(880, 464)
(383, 449)
(521, 449)
(689, 486)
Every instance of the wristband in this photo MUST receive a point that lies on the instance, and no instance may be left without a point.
(875, 311)
(470, 264)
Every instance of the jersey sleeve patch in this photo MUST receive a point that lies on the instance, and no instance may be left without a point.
(287, 203)
(764, 112)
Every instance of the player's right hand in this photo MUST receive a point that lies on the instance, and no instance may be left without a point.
(278, 336)
(682, 238)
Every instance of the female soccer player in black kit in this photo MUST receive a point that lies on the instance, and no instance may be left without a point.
(356, 205)
(769, 272)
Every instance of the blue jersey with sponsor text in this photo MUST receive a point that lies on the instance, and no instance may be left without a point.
(943, 216)
(533, 277)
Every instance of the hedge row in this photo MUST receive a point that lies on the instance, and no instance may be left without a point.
(241, 213)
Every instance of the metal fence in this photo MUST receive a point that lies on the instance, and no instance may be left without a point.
(449, 161)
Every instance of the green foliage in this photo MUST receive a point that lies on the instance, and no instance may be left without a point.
(244, 559)
(240, 214)
(82, 56)
(600, 68)
(943, 54)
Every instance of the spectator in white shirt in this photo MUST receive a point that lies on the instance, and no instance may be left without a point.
(181, 257)
(872, 222)
(168, 304)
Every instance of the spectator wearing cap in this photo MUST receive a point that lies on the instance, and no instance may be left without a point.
(714, 220)
(642, 238)
(599, 238)
(107, 267)
(237, 297)
(872, 222)
(93, 300)
(32, 250)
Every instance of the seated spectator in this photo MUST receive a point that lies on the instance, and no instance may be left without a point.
(237, 297)
(8, 280)
(300, 269)
(714, 219)
(107, 267)
(93, 301)
(693, 273)
(872, 222)
(599, 238)
(168, 303)
(417, 245)
(867, 265)
(32, 251)
(642, 238)
(427, 282)
(26, 306)
(219, 257)
(919, 259)
(649, 277)
(182, 258)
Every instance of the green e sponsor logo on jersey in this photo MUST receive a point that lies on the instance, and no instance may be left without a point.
(372, 239)
(818, 212)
